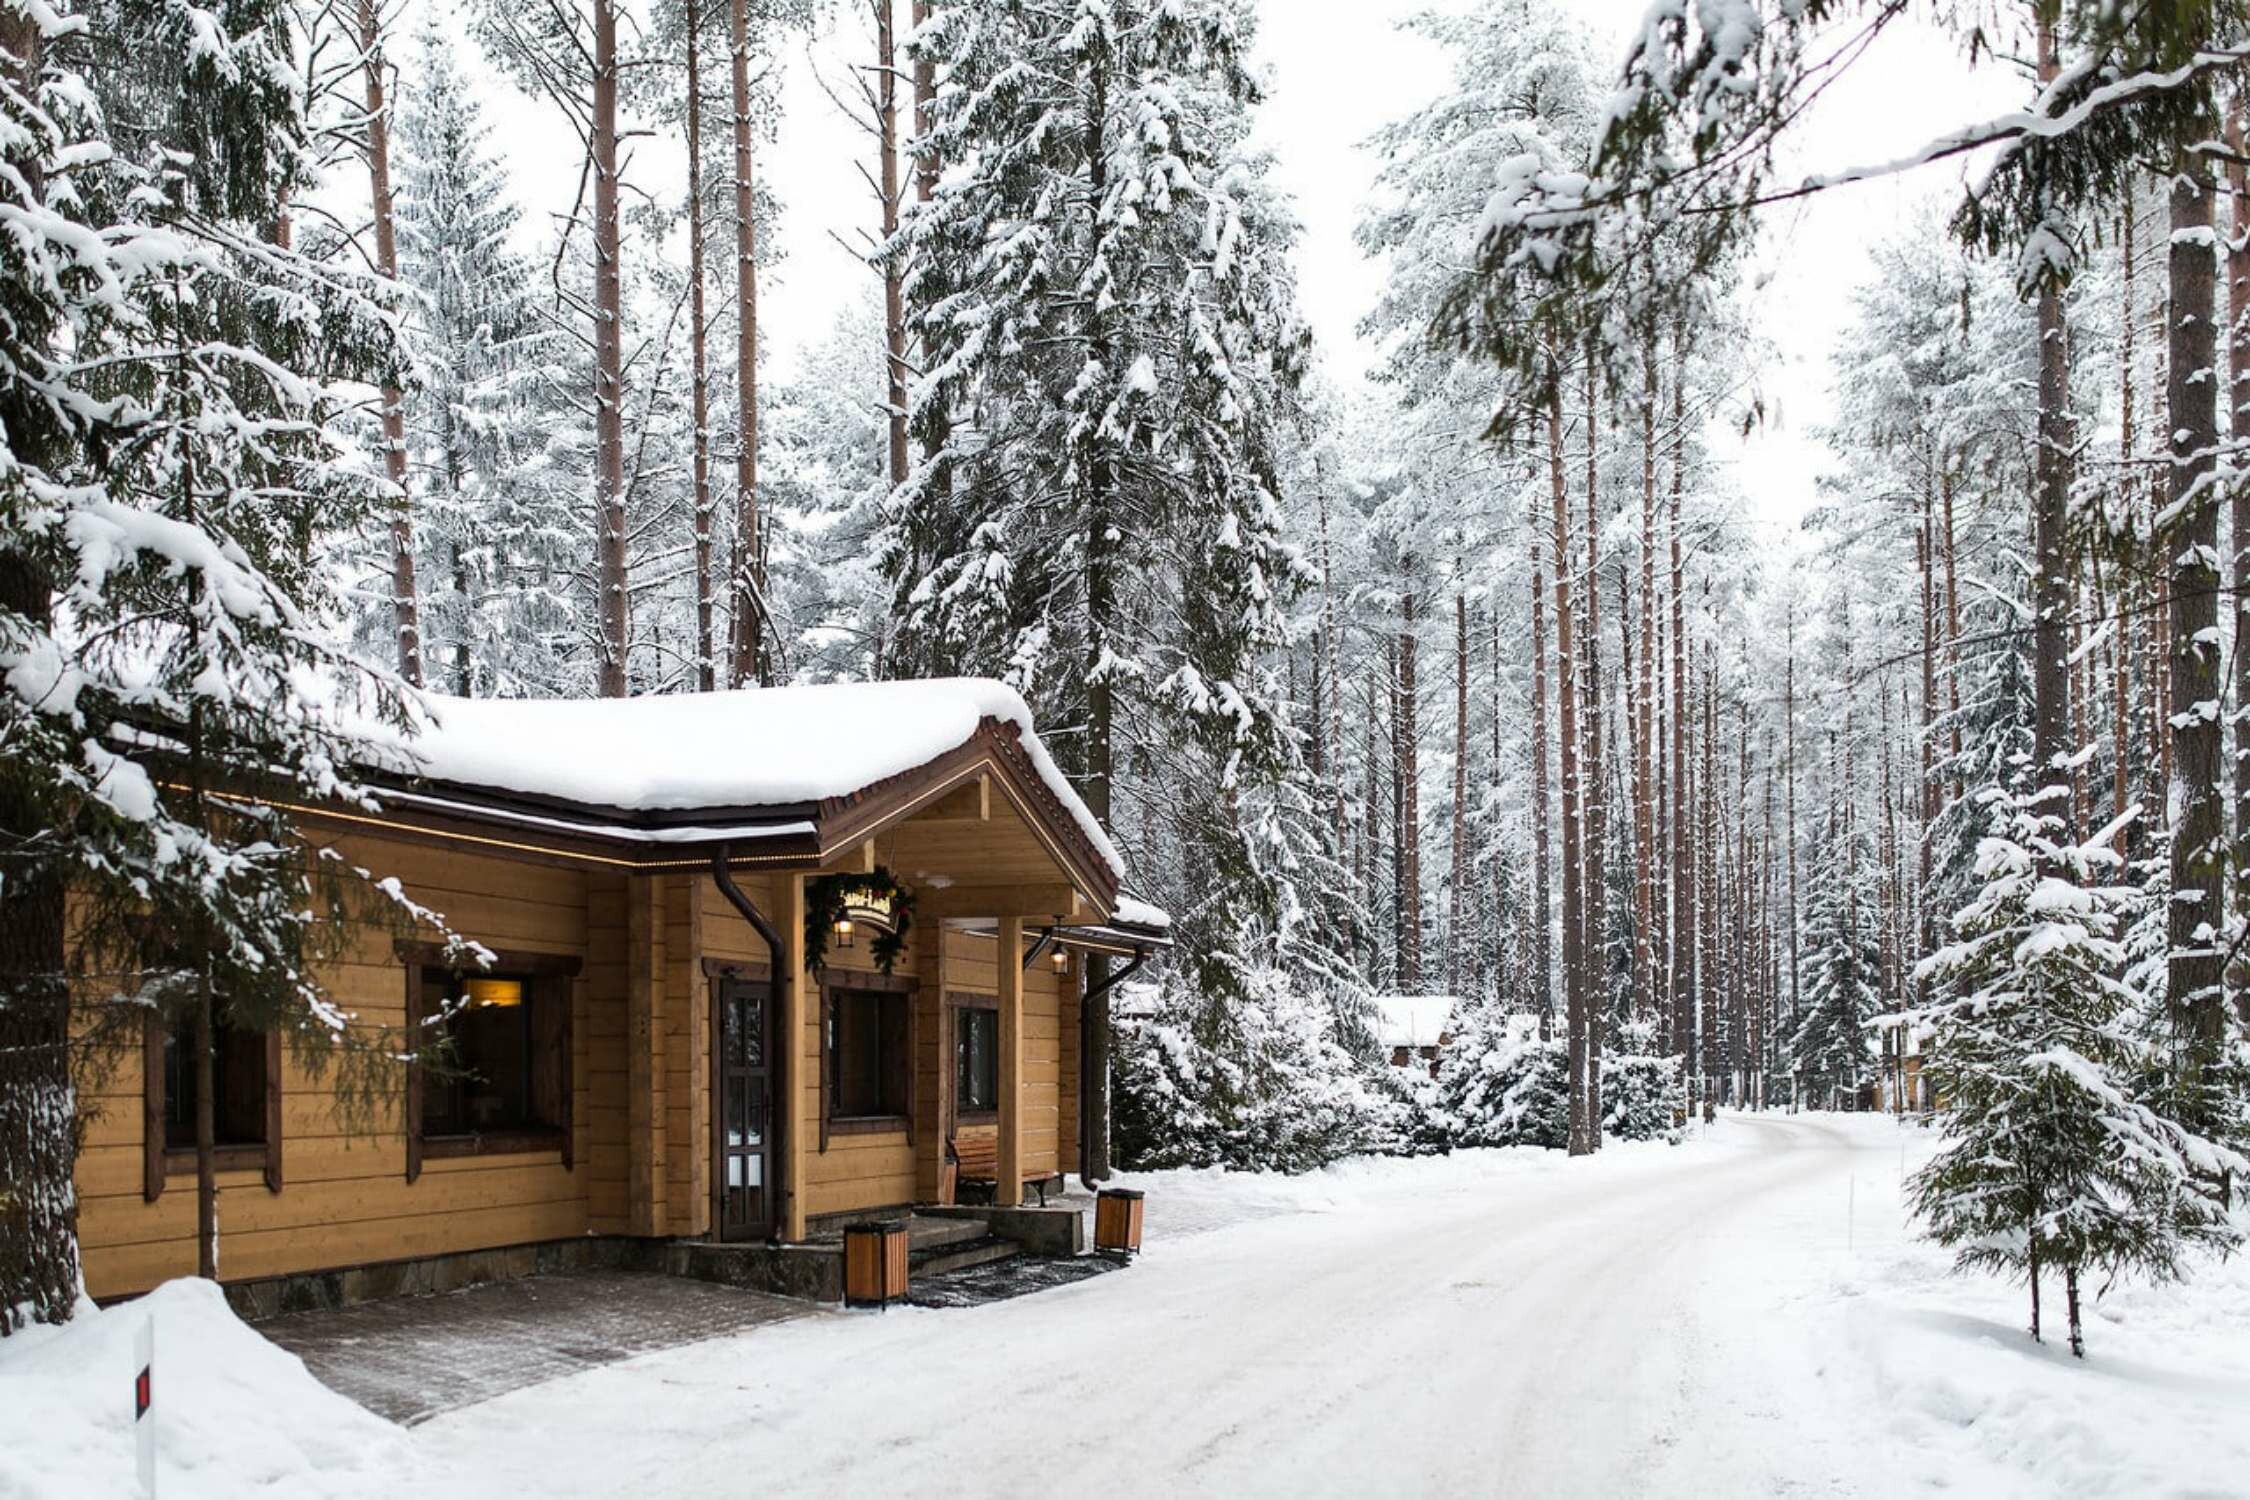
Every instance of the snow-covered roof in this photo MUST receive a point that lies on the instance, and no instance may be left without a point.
(1411, 1020)
(752, 747)
(1134, 912)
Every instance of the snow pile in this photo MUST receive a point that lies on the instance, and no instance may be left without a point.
(235, 1416)
(1940, 1375)
(754, 747)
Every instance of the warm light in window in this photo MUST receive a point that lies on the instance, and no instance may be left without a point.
(495, 992)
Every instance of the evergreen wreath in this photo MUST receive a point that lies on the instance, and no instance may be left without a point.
(825, 899)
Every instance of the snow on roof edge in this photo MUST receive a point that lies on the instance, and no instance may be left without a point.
(745, 747)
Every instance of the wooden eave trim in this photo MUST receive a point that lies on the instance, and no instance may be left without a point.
(996, 750)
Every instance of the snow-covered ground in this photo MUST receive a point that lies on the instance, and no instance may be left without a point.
(1745, 1313)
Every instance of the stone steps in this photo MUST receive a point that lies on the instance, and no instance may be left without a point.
(959, 1255)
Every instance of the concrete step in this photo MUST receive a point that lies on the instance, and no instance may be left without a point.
(925, 1233)
(937, 1260)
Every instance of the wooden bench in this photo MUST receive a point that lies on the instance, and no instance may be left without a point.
(974, 1162)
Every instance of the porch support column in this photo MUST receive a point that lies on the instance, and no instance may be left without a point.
(798, 1044)
(644, 1056)
(1008, 956)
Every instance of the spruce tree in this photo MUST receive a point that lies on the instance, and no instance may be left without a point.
(172, 383)
(1111, 349)
(1842, 959)
(496, 547)
(2052, 1161)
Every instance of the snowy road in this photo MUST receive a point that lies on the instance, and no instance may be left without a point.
(1509, 1323)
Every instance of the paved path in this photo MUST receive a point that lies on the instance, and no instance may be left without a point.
(410, 1358)
(1507, 1325)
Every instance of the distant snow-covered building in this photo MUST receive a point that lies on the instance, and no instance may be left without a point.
(1413, 1029)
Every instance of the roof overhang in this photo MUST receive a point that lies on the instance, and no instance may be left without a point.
(777, 837)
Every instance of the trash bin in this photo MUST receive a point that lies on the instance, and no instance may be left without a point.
(1117, 1221)
(874, 1262)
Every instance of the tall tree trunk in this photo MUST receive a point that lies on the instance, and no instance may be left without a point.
(1924, 551)
(1456, 942)
(406, 610)
(2238, 427)
(1409, 807)
(609, 361)
(1542, 845)
(1597, 783)
(1646, 981)
(894, 294)
(2050, 596)
(1682, 929)
(1573, 848)
(1952, 611)
(749, 665)
(699, 327)
(2198, 905)
(1335, 722)
(2122, 633)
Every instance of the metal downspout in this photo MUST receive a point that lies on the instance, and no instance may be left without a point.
(778, 956)
(1086, 1064)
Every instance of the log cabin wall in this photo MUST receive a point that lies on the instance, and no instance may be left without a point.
(640, 1088)
(345, 1199)
(1050, 1092)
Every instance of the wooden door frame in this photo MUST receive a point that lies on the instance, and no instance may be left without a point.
(720, 974)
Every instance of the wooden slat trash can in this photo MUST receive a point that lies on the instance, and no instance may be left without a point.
(1117, 1222)
(874, 1262)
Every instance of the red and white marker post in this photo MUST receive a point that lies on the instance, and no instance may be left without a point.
(144, 1405)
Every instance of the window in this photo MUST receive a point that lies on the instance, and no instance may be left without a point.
(245, 1102)
(499, 1075)
(976, 1059)
(867, 1052)
(238, 1076)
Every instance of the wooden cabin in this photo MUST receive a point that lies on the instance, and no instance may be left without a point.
(1413, 1030)
(649, 1054)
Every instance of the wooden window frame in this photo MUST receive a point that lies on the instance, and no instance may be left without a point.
(833, 981)
(955, 1003)
(159, 1161)
(557, 977)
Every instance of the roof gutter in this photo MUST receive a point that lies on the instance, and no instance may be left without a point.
(778, 955)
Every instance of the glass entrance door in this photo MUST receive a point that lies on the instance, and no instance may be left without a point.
(744, 1107)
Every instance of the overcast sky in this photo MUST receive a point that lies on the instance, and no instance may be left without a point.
(1336, 69)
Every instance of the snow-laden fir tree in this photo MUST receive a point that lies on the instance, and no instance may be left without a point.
(1266, 1084)
(496, 545)
(1830, 1047)
(2052, 1161)
(174, 482)
(1100, 288)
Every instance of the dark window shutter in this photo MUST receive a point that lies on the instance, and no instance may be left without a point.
(152, 1107)
(273, 1111)
(411, 1111)
(550, 1046)
(897, 1059)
